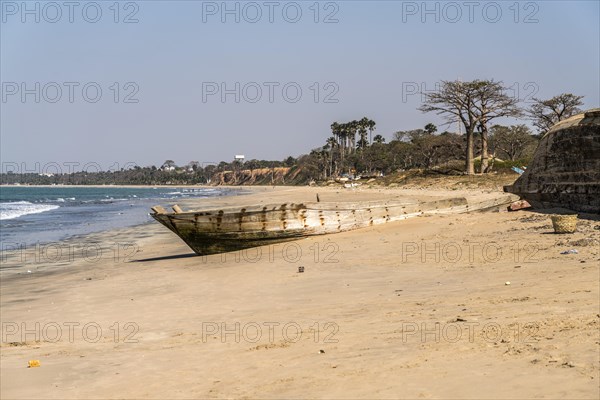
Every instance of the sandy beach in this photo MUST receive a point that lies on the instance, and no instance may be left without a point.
(479, 305)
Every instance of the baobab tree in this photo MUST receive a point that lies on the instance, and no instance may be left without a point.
(456, 100)
(492, 102)
(545, 113)
(474, 104)
(513, 142)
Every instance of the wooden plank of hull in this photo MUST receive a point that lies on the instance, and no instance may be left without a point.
(205, 243)
(217, 231)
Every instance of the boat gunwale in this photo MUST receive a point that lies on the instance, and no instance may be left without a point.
(309, 206)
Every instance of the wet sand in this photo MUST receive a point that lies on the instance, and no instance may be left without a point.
(479, 305)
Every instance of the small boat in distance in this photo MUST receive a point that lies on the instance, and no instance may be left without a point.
(235, 228)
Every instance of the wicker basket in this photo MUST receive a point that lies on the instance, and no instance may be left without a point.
(564, 223)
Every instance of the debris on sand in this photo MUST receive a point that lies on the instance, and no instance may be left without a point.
(572, 251)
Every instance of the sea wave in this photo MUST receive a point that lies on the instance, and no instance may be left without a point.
(17, 209)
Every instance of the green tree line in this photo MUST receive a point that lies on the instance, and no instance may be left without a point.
(352, 149)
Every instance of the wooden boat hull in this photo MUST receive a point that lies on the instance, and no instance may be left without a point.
(565, 170)
(223, 230)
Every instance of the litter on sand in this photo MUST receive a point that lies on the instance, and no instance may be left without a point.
(572, 251)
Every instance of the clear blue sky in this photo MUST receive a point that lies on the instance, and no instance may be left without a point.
(373, 57)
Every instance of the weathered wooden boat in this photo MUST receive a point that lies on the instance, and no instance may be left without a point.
(565, 170)
(230, 229)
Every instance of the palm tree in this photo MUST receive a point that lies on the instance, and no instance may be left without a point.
(342, 132)
(336, 130)
(331, 143)
(351, 128)
(371, 127)
(362, 143)
(362, 131)
(363, 125)
(338, 133)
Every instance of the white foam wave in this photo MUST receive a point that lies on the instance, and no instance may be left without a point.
(17, 209)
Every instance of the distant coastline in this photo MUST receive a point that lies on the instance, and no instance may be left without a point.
(141, 186)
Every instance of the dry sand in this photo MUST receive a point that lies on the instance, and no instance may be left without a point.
(412, 309)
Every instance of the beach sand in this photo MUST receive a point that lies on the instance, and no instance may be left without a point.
(479, 305)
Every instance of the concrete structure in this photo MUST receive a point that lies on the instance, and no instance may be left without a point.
(565, 170)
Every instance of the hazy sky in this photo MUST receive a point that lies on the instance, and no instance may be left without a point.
(170, 72)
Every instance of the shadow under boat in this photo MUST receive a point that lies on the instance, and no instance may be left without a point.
(167, 258)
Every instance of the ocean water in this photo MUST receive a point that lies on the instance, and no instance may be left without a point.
(37, 215)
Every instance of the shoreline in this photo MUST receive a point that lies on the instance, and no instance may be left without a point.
(38, 250)
(113, 186)
(366, 307)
